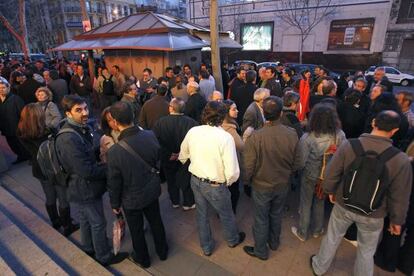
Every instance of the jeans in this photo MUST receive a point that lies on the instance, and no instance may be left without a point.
(54, 192)
(135, 221)
(218, 197)
(170, 170)
(268, 208)
(311, 209)
(369, 230)
(93, 229)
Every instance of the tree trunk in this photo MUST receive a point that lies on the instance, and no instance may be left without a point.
(22, 36)
(22, 18)
(215, 48)
(302, 40)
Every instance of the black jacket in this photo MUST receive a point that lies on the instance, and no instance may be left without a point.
(194, 106)
(384, 81)
(10, 114)
(87, 180)
(289, 119)
(81, 87)
(27, 91)
(130, 184)
(170, 132)
(364, 102)
(352, 119)
(32, 146)
(274, 86)
(243, 97)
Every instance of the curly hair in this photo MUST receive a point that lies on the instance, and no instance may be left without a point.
(324, 120)
(213, 113)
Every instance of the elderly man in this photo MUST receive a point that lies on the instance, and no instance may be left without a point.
(380, 78)
(216, 96)
(405, 99)
(195, 102)
(170, 131)
(214, 167)
(253, 117)
(360, 85)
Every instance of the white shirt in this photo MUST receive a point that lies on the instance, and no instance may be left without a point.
(212, 153)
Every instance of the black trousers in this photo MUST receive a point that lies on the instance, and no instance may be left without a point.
(170, 170)
(135, 221)
(235, 194)
(17, 147)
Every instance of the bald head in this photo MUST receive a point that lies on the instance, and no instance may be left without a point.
(216, 96)
(386, 121)
(177, 106)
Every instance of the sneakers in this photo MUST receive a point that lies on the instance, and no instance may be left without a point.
(294, 231)
(311, 266)
(242, 236)
(354, 243)
(250, 251)
(175, 206)
(188, 208)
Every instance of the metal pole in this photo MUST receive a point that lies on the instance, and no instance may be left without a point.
(85, 18)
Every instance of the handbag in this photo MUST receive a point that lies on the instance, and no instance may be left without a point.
(327, 155)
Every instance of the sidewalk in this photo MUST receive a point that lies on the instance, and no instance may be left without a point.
(185, 257)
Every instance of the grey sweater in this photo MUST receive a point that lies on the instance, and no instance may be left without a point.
(396, 201)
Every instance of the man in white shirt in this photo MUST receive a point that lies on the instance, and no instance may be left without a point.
(214, 167)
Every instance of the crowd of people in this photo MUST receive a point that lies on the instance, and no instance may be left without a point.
(345, 144)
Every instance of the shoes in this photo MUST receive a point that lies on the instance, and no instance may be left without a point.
(67, 231)
(311, 266)
(317, 235)
(188, 208)
(175, 206)
(273, 248)
(295, 232)
(90, 254)
(354, 243)
(116, 259)
(140, 264)
(163, 256)
(207, 254)
(250, 251)
(242, 236)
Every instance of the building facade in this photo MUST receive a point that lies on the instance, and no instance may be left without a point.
(399, 42)
(355, 29)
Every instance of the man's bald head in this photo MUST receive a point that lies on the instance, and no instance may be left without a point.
(387, 120)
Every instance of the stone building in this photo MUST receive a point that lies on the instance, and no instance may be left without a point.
(399, 42)
(354, 33)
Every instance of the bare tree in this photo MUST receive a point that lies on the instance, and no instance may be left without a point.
(21, 33)
(305, 15)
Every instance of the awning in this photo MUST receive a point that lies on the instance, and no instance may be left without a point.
(161, 42)
(224, 40)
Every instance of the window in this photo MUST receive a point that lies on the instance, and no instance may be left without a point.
(390, 70)
(125, 10)
(411, 10)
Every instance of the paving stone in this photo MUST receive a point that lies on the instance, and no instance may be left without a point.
(5, 268)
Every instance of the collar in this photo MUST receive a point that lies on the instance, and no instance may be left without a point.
(133, 130)
(376, 137)
(273, 123)
(84, 129)
(176, 114)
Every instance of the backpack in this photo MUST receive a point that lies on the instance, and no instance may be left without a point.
(327, 156)
(108, 86)
(49, 161)
(366, 180)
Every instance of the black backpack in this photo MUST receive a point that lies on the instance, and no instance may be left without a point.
(108, 87)
(49, 161)
(366, 180)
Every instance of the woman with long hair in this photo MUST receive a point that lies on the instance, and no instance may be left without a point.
(52, 114)
(110, 136)
(32, 132)
(323, 135)
(304, 94)
(231, 126)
